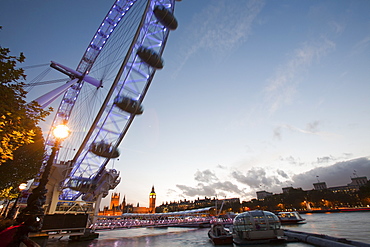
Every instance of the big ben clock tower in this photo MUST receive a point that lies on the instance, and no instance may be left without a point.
(152, 197)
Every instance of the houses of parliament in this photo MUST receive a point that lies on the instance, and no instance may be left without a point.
(116, 208)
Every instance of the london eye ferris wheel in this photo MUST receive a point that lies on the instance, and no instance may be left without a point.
(105, 93)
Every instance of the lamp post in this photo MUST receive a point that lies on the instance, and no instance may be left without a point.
(32, 216)
(13, 210)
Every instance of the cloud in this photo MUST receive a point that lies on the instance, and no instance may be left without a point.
(282, 173)
(296, 129)
(210, 185)
(213, 189)
(361, 46)
(221, 167)
(256, 177)
(325, 159)
(337, 27)
(170, 192)
(277, 133)
(282, 87)
(216, 32)
(312, 128)
(334, 175)
(245, 185)
(227, 186)
(199, 190)
(205, 176)
(292, 161)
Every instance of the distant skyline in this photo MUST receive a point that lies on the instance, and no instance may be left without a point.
(254, 95)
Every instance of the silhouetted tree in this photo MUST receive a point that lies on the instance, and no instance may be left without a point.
(25, 164)
(18, 119)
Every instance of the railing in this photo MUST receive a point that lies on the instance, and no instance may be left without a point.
(119, 223)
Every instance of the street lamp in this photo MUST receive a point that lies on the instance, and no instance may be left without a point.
(13, 210)
(61, 132)
(22, 186)
(32, 216)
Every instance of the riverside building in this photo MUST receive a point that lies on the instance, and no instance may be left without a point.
(116, 208)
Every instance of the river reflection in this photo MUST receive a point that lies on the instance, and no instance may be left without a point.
(350, 225)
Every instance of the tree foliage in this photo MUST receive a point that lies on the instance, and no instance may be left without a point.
(8, 193)
(18, 119)
(25, 164)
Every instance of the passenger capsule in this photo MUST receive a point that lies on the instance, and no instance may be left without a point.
(150, 57)
(128, 105)
(81, 184)
(165, 17)
(105, 150)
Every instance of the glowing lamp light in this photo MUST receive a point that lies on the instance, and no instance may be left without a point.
(61, 131)
(22, 186)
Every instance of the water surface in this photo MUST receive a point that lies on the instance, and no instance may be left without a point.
(351, 225)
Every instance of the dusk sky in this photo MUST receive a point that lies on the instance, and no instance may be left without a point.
(254, 95)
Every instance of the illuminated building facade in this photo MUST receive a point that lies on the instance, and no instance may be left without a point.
(354, 186)
(152, 197)
(116, 208)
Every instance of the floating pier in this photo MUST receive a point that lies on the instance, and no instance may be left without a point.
(322, 240)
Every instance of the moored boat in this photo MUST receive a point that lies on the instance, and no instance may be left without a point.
(257, 227)
(219, 235)
(290, 218)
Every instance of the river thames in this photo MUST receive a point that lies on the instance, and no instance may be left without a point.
(350, 225)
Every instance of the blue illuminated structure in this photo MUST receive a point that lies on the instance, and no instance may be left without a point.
(112, 68)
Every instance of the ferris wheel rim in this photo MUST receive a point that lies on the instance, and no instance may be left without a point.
(149, 79)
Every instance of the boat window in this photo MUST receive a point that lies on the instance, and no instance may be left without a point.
(243, 222)
(257, 213)
(256, 220)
